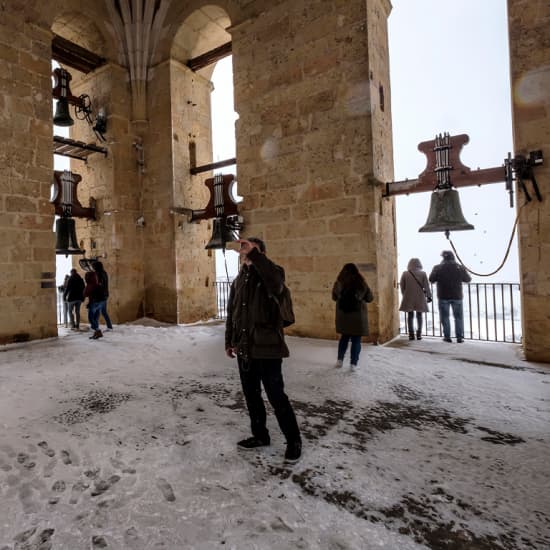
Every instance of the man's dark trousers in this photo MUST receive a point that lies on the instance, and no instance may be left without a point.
(253, 373)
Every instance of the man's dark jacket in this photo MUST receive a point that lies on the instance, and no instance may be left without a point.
(449, 277)
(74, 291)
(254, 326)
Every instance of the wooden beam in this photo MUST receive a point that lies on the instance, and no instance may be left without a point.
(460, 175)
(474, 177)
(207, 167)
(210, 57)
(68, 53)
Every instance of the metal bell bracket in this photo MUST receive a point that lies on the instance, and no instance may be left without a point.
(520, 168)
(82, 104)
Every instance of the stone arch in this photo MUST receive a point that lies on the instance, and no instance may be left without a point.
(200, 31)
(87, 25)
(81, 30)
(196, 13)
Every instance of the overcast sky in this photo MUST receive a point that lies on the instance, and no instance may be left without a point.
(450, 73)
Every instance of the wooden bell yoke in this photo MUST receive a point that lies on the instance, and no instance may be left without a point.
(64, 196)
(518, 168)
(462, 176)
(220, 204)
(221, 208)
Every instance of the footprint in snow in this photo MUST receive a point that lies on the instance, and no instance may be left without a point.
(166, 489)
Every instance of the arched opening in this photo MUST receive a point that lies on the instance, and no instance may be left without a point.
(204, 122)
(459, 84)
(72, 30)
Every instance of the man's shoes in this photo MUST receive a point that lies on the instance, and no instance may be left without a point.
(460, 340)
(339, 364)
(353, 366)
(411, 336)
(97, 334)
(419, 336)
(448, 340)
(252, 443)
(293, 451)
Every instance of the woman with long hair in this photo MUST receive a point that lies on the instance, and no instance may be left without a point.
(351, 294)
(416, 295)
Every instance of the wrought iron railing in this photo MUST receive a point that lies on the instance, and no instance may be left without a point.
(491, 312)
(62, 313)
(222, 296)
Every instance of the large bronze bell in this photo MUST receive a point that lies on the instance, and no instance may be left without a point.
(66, 242)
(62, 116)
(445, 213)
(221, 234)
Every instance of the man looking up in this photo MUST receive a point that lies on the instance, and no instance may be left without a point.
(254, 334)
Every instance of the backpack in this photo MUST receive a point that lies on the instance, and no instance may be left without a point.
(348, 301)
(284, 301)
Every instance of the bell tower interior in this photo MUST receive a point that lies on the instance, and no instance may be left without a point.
(313, 152)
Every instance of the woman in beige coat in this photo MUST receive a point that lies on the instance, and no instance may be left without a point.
(416, 291)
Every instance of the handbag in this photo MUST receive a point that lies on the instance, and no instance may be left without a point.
(428, 298)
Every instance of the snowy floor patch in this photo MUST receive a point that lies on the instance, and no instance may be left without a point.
(129, 443)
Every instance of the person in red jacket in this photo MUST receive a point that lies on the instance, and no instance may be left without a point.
(96, 296)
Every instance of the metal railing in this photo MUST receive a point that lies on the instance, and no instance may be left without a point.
(491, 312)
(62, 313)
(222, 289)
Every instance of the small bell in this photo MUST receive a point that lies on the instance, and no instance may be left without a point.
(221, 234)
(62, 116)
(66, 242)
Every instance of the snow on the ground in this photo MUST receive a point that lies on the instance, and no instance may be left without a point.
(128, 442)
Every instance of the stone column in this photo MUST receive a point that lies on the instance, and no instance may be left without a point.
(530, 73)
(116, 183)
(178, 271)
(313, 148)
(27, 245)
(192, 142)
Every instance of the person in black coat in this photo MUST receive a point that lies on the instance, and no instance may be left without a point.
(254, 334)
(351, 294)
(74, 296)
(449, 276)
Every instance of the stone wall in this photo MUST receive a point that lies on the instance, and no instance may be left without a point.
(191, 123)
(27, 242)
(115, 184)
(313, 146)
(529, 21)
